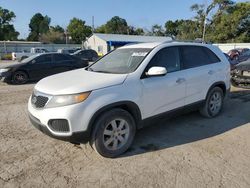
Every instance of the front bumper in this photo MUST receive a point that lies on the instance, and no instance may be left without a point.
(5, 77)
(75, 138)
(240, 81)
(76, 115)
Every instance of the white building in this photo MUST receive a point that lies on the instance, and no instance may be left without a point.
(103, 43)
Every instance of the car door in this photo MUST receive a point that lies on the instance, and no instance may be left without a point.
(201, 73)
(164, 93)
(62, 63)
(40, 67)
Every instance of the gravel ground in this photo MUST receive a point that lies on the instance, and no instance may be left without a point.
(187, 151)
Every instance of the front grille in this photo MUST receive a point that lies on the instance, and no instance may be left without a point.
(59, 125)
(39, 101)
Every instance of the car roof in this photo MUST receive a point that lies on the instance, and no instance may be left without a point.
(155, 44)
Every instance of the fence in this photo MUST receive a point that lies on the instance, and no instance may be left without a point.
(226, 47)
(19, 46)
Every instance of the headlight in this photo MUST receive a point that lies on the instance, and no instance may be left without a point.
(64, 100)
(4, 70)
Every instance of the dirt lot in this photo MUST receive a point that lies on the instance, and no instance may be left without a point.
(188, 151)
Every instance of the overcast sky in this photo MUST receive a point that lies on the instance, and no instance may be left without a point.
(138, 13)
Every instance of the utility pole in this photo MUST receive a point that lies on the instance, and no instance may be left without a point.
(93, 24)
(66, 36)
(205, 22)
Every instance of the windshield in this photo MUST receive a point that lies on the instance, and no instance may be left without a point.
(120, 61)
(26, 60)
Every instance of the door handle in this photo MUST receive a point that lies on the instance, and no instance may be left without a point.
(210, 72)
(180, 80)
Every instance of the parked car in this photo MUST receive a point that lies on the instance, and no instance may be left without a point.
(234, 54)
(237, 52)
(241, 75)
(87, 55)
(242, 50)
(244, 56)
(39, 66)
(232, 62)
(68, 51)
(23, 55)
(108, 101)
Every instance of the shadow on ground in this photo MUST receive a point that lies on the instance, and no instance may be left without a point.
(167, 133)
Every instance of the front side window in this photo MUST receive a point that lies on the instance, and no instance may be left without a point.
(44, 59)
(166, 57)
(121, 61)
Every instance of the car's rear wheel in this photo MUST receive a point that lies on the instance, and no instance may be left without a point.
(214, 103)
(114, 133)
(19, 77)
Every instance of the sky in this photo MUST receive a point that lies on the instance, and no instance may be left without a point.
(138, 13)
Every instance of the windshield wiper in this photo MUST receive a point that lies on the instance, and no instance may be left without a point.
(90, 69)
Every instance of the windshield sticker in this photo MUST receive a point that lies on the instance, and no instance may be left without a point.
(140, 54)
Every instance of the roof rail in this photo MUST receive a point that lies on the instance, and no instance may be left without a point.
(198, 40)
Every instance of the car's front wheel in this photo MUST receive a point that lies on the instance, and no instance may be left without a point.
(214, 103)
(19, 77)
(114, 133)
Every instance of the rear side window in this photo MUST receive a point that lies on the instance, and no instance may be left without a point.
(166, 57)
(195, 56)
(61, 57)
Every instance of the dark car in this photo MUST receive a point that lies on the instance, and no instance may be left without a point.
(241, 75)
(86, 55)
(237, 53)
(233, 62)
(234, 54)
(40, 66)
(244, 56)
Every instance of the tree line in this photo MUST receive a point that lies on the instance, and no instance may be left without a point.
(219, 22)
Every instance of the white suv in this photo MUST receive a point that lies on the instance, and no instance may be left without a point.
(108, 101)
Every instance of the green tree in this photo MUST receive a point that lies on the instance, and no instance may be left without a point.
(38, 25)
(135, 31)
(139, 31)
(116, 25)
(101, 29)
(203, 11)
(157, 30)
(78, 30)
(7, 30)
(231, 25)
(52, 37)
(172, 27)
(57, 28)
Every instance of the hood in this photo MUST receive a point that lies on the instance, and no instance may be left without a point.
(244, 66)
(13, 65)
(78, 81)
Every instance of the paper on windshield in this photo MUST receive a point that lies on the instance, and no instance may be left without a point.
(141, 54)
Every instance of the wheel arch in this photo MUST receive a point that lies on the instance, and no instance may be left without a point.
(129, 106)
(22, 70)
(221, 85)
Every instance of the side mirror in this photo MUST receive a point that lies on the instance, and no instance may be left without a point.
(157, 71)
(33, 61)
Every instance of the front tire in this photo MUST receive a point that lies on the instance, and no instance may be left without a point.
(113, 133)
(19, 77)
(213, 104)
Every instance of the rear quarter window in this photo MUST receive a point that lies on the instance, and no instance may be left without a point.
(195, 56)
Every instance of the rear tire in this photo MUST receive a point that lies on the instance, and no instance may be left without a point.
(19, 77)
(213, 104)
(113, 133)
